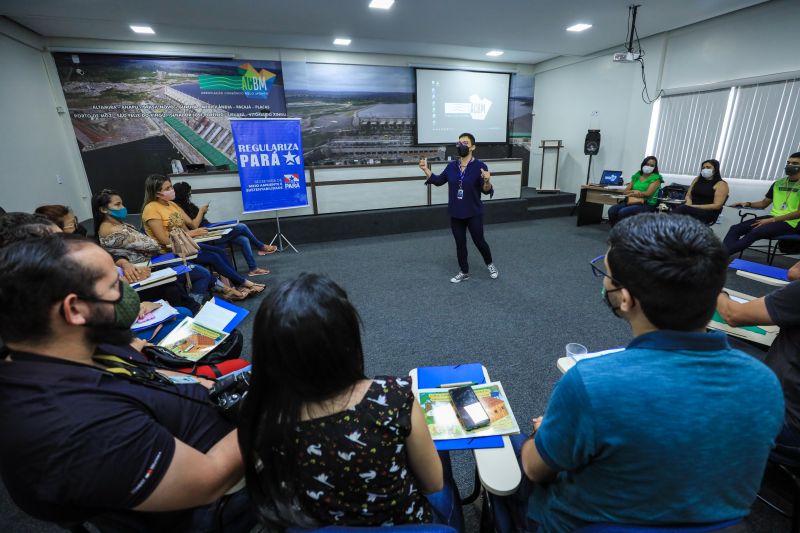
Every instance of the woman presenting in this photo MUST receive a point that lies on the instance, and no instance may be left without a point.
(467, 178)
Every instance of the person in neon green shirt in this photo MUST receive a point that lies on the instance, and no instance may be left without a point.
(783, 218)
(642, 192)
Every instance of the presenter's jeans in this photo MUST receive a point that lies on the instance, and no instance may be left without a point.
(742, 235)
(706, 216)
(243, 237)
(475, 226)
(620, 211)
(217, 259)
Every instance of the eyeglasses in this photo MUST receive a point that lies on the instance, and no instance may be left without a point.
(71, 223)
(599, 272)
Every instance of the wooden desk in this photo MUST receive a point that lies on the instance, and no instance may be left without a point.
(498, 469)
(591, 202)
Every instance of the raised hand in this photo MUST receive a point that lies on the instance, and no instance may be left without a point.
(485, 174)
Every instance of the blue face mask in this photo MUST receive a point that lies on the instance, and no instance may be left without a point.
(119, 214)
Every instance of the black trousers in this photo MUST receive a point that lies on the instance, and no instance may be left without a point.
(475, 225)
(740, 236)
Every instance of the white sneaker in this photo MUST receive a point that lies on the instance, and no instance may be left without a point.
(493, 273)
(458, 278)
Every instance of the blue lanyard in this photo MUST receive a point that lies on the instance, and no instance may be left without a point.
(462, 173)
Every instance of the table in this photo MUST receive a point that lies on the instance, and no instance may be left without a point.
(591, 202)
(168, 262)
(763, 279)
(497, 468)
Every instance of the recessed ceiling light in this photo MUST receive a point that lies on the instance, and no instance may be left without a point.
(381, 4)
(142, 29)
(494, 53)
(579, 27)
(341, 42)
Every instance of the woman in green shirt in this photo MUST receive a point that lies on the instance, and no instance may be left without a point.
(641, 192)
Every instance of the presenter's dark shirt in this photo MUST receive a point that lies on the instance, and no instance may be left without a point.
(79, 441)
(784, 354)
(471, 204)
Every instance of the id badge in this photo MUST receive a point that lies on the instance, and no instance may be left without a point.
(460, 194)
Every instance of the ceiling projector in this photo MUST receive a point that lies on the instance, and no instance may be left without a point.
(626, 57)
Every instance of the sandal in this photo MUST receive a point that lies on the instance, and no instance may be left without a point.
(268, 249)
(258, 272)
(255, 288)
(234, 295)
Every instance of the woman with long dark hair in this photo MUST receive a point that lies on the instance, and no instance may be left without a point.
(706, 195)
(322, 443)
(641, 193)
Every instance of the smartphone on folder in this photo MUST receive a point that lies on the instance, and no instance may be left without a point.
(468, 408)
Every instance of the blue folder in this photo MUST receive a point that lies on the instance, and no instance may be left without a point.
(758, 268)
(432, 377)
(241, 313)
(218, 224)
(161, 258)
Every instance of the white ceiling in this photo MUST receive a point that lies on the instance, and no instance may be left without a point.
(529, 31)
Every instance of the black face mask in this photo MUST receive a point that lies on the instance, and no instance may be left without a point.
(605, 294)
(463, 150)
(791, 170)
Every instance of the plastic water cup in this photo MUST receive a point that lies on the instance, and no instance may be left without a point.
(575, 351)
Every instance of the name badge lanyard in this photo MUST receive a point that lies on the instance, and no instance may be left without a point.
(784, 205)
(461, 174)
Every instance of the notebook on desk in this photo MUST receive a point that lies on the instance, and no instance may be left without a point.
(430, 377)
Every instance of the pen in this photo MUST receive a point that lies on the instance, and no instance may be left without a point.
(457, 384)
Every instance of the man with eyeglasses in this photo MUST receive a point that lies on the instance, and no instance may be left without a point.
(676, 428)
(89, 438)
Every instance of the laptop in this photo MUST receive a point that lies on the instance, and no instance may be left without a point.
(611, 177)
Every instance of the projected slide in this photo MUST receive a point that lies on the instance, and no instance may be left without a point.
(450, 102)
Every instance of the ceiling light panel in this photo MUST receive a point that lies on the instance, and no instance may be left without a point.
(579, 27)
(381, 4)
(142, 29)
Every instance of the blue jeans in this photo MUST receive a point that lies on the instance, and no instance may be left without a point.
(511, 512)
(201, 280)
(217, 259)
(620, 211)
(447, 503)
(150, 334)
(241, 236)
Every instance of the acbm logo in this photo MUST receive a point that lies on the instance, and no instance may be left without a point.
(256, 86)
(291, 181)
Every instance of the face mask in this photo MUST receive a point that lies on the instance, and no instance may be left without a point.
(605, 294)
(126, 308)
(119, 214)
(707, 173)
(791, 170)
(463, 150)
(648, 169)
(167, 195)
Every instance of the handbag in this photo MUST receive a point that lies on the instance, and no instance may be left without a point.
(183, 246)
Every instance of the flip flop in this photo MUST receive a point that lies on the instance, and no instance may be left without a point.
(258, 272)
(270, 249)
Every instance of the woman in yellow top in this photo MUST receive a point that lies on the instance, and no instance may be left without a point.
(641, 192)
(160, 215)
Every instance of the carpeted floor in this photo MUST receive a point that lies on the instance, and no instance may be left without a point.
(516, 325)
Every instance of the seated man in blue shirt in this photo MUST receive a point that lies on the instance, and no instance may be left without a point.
(675, 429)
(87, 439)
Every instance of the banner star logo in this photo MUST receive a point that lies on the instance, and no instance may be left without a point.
(292, 159)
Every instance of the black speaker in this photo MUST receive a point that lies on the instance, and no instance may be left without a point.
(592, 143)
